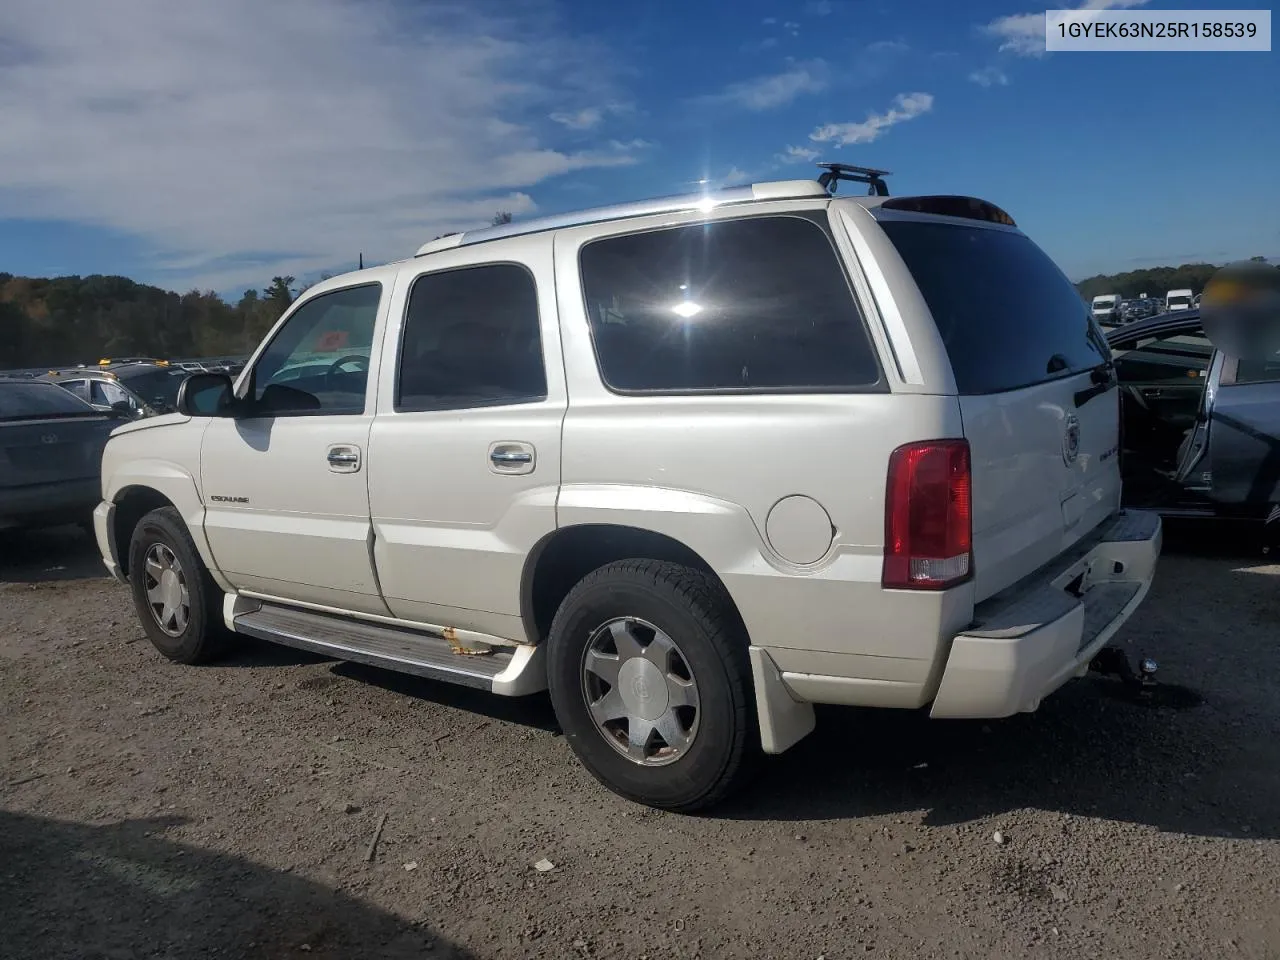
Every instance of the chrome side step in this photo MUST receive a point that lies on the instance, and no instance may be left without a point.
(509, 671)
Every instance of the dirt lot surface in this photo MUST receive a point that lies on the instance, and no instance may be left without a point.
(152, 810)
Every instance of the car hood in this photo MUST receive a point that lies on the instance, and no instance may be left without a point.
(148, 423)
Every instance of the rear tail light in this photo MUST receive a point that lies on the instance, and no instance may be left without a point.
(928, 516)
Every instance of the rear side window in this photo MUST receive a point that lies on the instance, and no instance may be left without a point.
(471, 339)
(31, 401)
(758, 304)
(1008, 316)
(1257, 371)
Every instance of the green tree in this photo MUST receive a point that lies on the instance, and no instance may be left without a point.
(501, 217)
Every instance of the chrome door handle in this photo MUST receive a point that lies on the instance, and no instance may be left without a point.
(506, 458)
(339, 459)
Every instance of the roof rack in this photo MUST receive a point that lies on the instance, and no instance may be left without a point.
(706, 201)
(847, 171)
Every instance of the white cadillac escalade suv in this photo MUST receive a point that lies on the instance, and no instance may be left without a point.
(692, 464)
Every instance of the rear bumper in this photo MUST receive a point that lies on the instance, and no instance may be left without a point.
(46, 504)
(1029, 640)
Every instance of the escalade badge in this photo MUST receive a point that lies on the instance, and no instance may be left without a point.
(1071, 441)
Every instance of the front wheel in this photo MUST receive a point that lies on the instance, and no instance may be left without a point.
(177, 601)
(649, 677)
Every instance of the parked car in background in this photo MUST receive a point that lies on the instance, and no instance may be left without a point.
(1133, 310)
(1201, 429)
(147, 388)
(1105, 307)
(51, 446)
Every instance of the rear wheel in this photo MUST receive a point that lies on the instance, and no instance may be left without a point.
(177, 601)
(648, 670)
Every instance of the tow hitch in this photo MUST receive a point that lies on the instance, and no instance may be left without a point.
(1115, 662)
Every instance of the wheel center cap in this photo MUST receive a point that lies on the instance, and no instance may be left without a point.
(170, 589)
(643, 689)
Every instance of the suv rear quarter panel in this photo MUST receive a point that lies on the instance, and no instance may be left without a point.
(708, 469)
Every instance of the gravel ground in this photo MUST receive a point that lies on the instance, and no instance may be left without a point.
(152, 810)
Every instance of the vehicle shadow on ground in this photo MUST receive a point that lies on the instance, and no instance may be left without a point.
(69, 890)
(43, 556)
(532, 711)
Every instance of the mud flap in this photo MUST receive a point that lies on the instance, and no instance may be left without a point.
(784, 721)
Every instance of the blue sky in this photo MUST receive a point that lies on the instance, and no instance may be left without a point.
(215, 144)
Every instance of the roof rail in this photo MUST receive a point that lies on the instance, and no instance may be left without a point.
(708, 200)
(846, 171)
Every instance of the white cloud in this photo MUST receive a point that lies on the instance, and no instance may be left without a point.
(818, 8)
(792, 28)
(240, 139)
(759, 46)
(906, 106)
(798, 155)
(769, 21)
(774, 90)
(588, 118)
(989, 77)
(736, 175)
(583, 119)
(1022, 34)
(634, 144)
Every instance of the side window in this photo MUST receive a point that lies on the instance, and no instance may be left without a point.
(752, 304)
(1170, 360)
(471, 339)
(104, 393)
(1257, 371)
(318, 363)
(79, 387)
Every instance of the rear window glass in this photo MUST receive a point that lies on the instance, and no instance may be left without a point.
(1008, 316)
(30, 401)
(157, 387)
(752, 304)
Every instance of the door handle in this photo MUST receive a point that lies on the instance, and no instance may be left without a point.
(343, 458)
(510, 458)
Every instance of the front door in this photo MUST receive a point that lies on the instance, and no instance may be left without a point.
(465, 453)
(284, 483)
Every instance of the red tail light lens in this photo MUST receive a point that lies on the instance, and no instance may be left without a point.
(928, 519)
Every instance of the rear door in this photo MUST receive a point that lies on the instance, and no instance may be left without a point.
(1043, 432)
(1243, 463)
(464, 455)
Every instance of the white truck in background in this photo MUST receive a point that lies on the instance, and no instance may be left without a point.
(1106, 308)
(1177, 300)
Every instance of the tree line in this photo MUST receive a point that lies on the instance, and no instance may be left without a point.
(70, 320)
(62, 321)
(1153, 281)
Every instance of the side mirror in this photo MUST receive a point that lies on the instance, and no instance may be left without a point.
(205, 395)
(122, 409)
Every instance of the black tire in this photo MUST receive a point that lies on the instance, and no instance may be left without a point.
(204, 637)
(694, 610)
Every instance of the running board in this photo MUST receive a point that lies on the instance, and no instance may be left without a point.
(509, 671)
